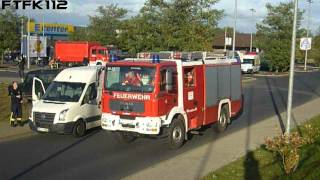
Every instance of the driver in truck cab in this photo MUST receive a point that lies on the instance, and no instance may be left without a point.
(132, 78)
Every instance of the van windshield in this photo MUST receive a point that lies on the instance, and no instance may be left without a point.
(130, 79)
(247, 61)
(64, 91)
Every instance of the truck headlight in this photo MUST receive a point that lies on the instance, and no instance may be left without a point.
(63, 114)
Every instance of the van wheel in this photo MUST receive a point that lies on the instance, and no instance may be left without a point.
(176, 133)
(79, 129)
(223, 119)
(125, 137)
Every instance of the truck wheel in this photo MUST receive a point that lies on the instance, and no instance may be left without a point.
(125, 137)
(85, 61)
(79, 129)
(176, 133)
(223, 119)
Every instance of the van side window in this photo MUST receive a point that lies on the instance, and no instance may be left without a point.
(91, 94)
(94, 51)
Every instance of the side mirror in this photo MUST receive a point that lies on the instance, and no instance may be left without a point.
(169, 80)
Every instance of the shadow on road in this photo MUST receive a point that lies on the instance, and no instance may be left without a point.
(19, 175)
(250, 164)
(284, 104)
(275, 106)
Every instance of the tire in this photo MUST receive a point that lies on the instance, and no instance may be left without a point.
(176, 133)
(125, 137)
(85, 61)
(79, 129)
(223, 120)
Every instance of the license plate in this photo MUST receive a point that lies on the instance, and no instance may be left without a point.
(125, 121)
(43, 129)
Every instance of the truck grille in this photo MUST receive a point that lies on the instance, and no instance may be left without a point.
(43, 117)
(125, 106)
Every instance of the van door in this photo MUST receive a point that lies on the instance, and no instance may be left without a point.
(193, 95)
(90, 107)
(38, 89)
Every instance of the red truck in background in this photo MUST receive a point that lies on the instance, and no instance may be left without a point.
(83, 52)
(170, 97)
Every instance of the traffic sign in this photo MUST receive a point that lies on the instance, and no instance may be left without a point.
(305, 44)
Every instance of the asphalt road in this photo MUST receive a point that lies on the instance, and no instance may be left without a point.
(99, 156)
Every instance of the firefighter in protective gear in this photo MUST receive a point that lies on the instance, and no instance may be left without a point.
(16, 104)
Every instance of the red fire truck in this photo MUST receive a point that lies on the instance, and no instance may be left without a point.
(170, 97)
(83, 52)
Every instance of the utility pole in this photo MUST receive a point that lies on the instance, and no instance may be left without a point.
(293, 54)
(28, 43)
(251, 39)
(43, 25)
(225, 39)
(22, 32)
(308, 30)
(234, 29)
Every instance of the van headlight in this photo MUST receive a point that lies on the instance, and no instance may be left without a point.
(63, 114)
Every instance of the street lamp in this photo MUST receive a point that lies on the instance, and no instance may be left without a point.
(293, 54)
(308, 30)
(234, 29)
(251, 39)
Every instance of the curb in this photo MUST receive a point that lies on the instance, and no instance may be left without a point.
(271, 75)
(308, 71)
(16, 136)
(248, 80)
(9, 70)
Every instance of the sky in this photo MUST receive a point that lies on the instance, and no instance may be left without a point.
(79, 10)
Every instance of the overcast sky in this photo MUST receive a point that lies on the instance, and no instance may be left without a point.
(78, 11)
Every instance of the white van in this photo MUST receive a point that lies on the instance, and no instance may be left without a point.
(250, 63)
(71, 104)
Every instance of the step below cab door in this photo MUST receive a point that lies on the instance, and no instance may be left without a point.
(193, 95)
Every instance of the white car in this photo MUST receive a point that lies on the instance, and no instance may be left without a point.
(71, 103)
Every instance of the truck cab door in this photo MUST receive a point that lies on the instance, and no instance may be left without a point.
(193, 97)
(38, 89)
(167, 97)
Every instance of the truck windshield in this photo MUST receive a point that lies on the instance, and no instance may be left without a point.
(247, 61)
(64, 91)
(130, 79)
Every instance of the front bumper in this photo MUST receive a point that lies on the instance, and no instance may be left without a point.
(141, 125)
(247, 70)
(60, 128)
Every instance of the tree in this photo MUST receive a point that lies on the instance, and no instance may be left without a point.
(183, 25)
(105, 27)
(274, 35)
(315, 51)
(9, 30)
(79, 34)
